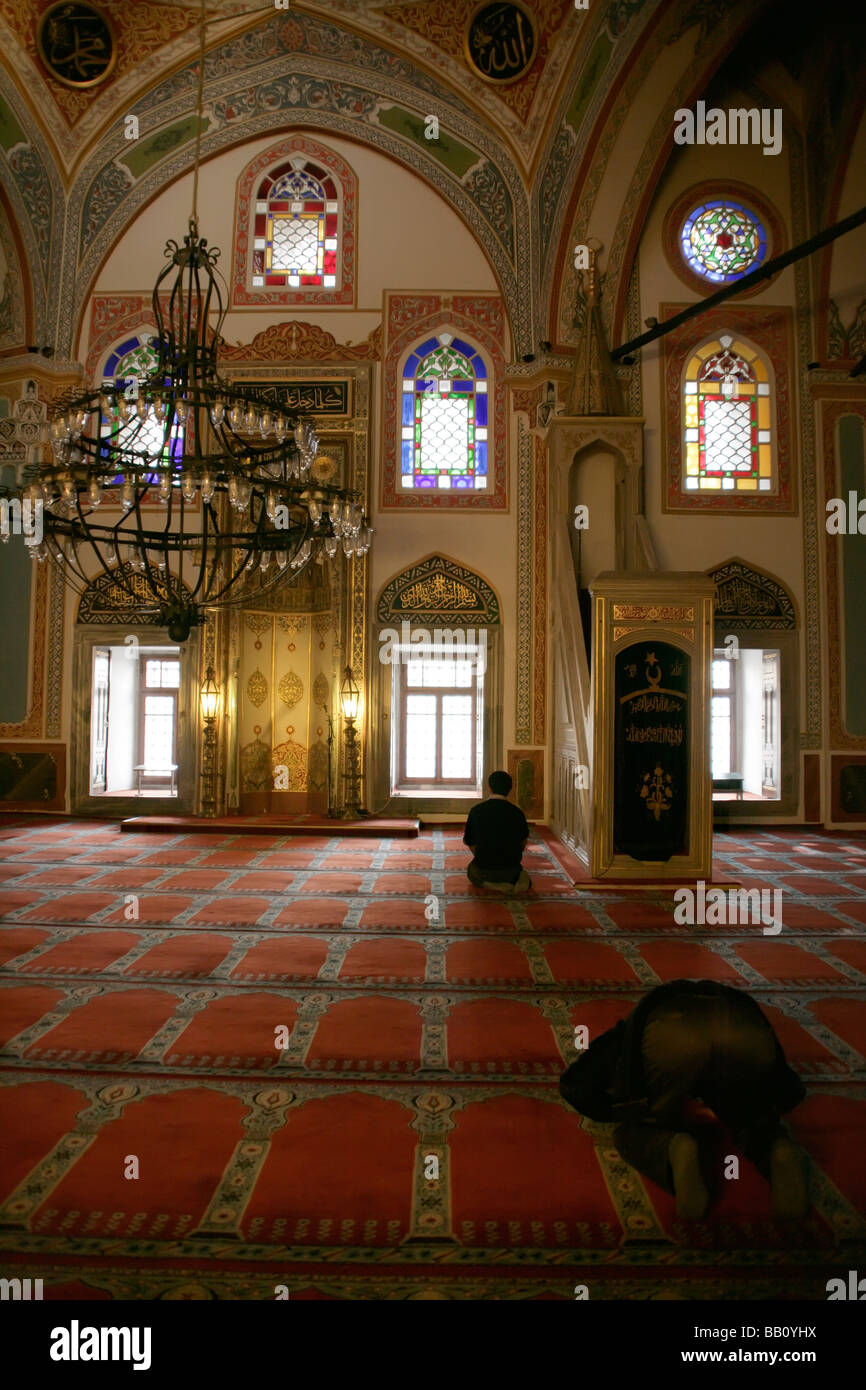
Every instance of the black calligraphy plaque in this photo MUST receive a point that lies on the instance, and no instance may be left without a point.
(302, 397)
(500, 42)
(77, 45)
(651, 751)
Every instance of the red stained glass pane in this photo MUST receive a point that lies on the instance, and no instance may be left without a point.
(261, 220)
(330, 224)
(276, 280)
(311, 279)
(314, 207)
(263, 187)
(329, 265)
(279, 207)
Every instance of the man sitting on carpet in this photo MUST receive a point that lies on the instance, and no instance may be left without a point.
(496, 832)
(690, 1040)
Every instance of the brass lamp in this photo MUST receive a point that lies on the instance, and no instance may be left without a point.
(210, 696)
(350, 699)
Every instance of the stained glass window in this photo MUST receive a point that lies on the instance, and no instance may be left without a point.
(722, 241)
(296, 228)
(727, 419)
(128, 368)
(444, 416)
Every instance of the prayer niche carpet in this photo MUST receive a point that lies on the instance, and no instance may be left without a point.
(237, 1062)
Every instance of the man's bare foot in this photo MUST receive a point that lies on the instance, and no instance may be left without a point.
(691, 1193)
(788, 1180)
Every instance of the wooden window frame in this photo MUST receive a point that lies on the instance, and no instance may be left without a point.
(437, 784)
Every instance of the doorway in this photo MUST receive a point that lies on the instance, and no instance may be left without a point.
(134, 720)
(746, 724)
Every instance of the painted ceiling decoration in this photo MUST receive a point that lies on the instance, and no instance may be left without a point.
(522, 161)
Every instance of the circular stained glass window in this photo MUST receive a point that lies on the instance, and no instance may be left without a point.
(722, 241)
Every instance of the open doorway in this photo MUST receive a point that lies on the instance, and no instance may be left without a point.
(134, 720)
(746, 724)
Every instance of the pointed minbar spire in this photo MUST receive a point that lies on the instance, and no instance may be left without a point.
(594, 386)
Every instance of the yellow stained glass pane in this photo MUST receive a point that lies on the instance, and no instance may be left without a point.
(763, 412)
(709, 388)
(711, 483)
(692, 458)
(759, 369)
(747, 484)
(765, 462)
(691, 412)
(742, 351)
(693, 368)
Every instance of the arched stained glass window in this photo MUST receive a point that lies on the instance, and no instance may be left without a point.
(126, 367)
(296, 227)
(444, 417)
(723, 240)
(727, 419)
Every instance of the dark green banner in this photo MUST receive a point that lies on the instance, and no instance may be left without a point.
(651, 751)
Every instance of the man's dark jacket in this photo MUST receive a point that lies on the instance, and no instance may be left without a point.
(607, 1083)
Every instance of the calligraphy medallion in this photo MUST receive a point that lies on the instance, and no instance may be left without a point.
(77, 45)
(500, 42)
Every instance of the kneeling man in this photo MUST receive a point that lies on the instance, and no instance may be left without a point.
(694, 1040)
(496, 832)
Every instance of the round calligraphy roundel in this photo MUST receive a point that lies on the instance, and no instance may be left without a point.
(76, 43)
(501, 42)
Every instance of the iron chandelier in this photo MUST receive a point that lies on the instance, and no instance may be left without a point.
(237, 508)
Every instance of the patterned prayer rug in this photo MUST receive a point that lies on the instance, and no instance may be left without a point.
(240, 1064)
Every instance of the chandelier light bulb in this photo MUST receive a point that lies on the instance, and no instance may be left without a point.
(251, 420)
(217, 412)
(280, 429)
(187, 486)
(94, 492)
(266, 423)
(124, 409)
(208, 486)
(236, 416)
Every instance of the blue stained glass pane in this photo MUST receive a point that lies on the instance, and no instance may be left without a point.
(462, 385)
(425, 482)
(406, 465)
(481, 456)
(430, 346)
(459, 346)
(411, 363)
(422, 384)
(110, 365)
(478, 367)
(461, 482)
(408, 413)
(128, 346)
(481, 410)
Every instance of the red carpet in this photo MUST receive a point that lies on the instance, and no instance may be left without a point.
(293, 1035)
